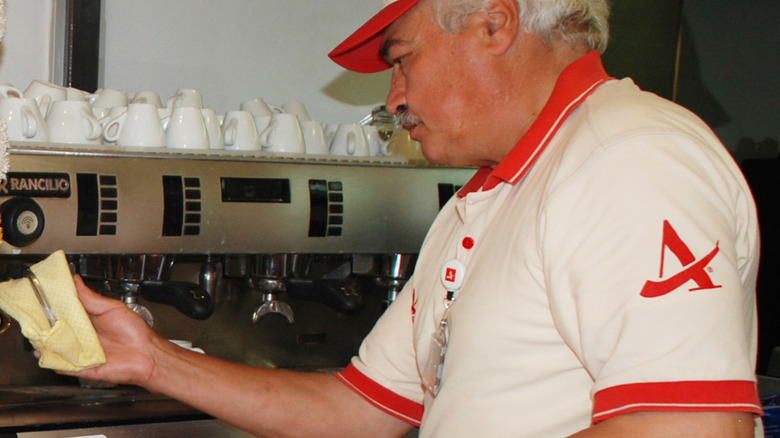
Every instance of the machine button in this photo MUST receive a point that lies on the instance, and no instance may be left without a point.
(22, 220)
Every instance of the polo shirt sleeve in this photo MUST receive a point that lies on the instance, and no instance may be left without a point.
(385, 370)
(650, 249)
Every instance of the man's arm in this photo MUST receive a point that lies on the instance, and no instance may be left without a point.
(265, 402)
(674, 425)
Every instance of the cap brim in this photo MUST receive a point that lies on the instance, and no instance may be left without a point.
(360, 51)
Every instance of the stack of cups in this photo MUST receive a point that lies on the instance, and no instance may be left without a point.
(49, 113)
(22, 116)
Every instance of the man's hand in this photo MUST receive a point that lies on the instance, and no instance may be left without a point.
(125, 337)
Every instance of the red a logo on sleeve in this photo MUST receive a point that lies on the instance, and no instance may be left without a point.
(693, 269)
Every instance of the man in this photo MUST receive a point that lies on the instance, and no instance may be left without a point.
(595, 278)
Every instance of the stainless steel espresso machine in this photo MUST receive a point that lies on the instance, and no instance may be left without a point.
(268, 260)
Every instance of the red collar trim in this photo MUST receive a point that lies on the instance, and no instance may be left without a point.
(575, 84)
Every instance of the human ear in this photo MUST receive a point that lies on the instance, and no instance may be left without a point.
(502, 24)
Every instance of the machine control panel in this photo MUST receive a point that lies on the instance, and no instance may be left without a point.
(167, 203)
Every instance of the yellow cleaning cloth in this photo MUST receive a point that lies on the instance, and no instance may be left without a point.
(71, 345)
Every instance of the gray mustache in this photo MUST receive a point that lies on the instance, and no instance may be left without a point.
(405, 119)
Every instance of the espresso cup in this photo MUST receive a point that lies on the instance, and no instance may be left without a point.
(330, 131)
(23, 119)
(186, 97)
(147, 96)
(349, 140)
(213, 128)
(72, 93)
(8, 90)
(314, 137)
(297, 108)
(112, 114)
(186, 129)
(376, 146)
(257, 107)
(72, 122)
(262, 122)
(108, 98)
(45, 93)
(240, 132)
(139, 126)
(100, 113)
(283, 135)
(165, 115)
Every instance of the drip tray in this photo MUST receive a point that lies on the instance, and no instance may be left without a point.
(40, 396)
(45, 407)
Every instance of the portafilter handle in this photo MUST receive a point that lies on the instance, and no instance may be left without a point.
(189, 298)
(334, 293)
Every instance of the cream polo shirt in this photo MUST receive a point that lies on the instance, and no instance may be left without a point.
(610, 262)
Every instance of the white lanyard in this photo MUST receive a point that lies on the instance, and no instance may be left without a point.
(452, 278)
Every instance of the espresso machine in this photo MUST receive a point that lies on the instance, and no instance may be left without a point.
(282, 261)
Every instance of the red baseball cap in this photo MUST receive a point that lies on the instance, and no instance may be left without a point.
(360, 51)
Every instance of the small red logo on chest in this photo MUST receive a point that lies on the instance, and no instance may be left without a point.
(693, 269)
(450, 274)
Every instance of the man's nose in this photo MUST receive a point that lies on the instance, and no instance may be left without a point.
(397, 96)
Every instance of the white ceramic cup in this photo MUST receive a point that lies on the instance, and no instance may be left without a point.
(165, 115)
(376, 146)
(297, 108)
(147, 96)
(8, 90)
(112, 113)
(108, 98)
(45, 93)
(261, 122)
(100, 113)
(314, 137)
(186, 129)
(213, 128)
(23, 119)
(330, 131)
(283, 135)
(72, 93)
(72, 122)
(240, 132)
(139, 126)
(257, 107)
(186, 97)
(349, 140)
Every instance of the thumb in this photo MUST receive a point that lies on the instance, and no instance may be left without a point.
(93, 302)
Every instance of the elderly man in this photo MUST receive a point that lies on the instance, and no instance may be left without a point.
(595, 278)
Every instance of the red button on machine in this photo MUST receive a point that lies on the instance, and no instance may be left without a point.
(468, 242)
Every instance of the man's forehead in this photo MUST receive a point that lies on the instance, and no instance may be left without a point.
(405, 29)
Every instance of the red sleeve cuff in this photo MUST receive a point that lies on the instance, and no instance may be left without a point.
(381, 397)
(694, 396)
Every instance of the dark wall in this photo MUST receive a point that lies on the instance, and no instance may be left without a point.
(728, 74)
(643, 43)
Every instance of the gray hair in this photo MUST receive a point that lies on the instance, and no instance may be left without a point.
(569, 20)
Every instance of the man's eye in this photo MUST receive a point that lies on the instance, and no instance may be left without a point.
(398, 60)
